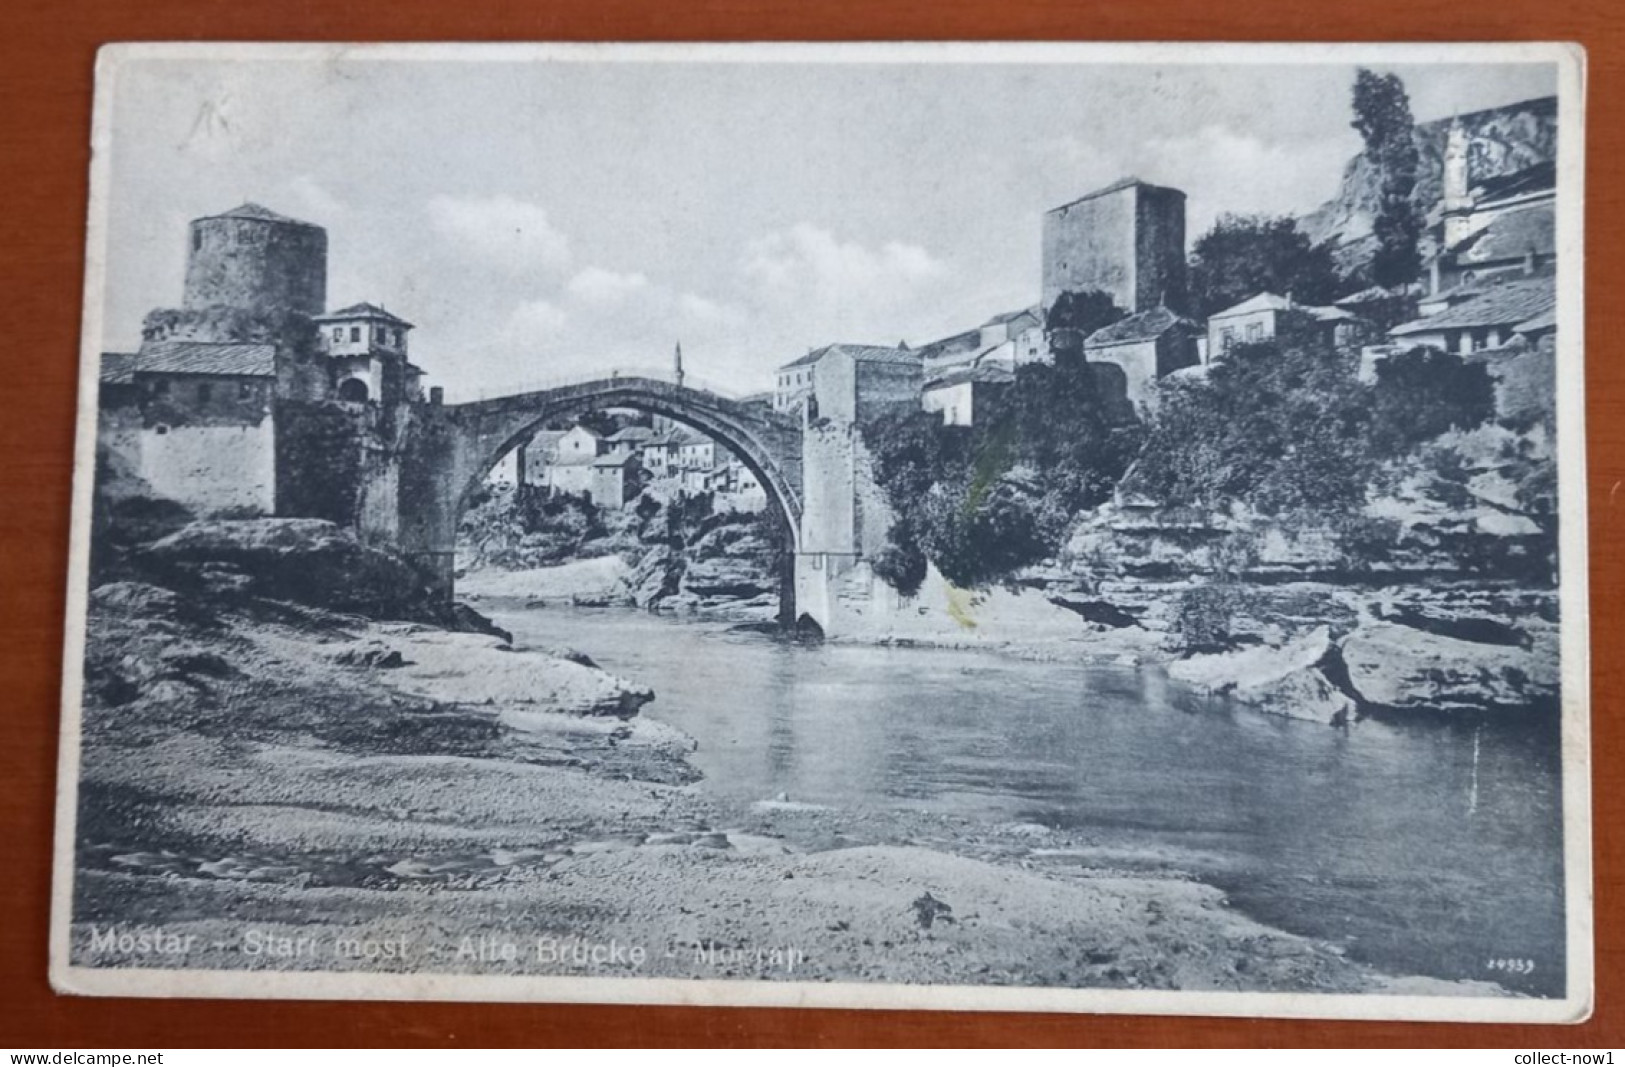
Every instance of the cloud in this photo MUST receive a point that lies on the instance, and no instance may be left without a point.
(1220, 169)
(513, 235)
(309, 199)
(535, 321)
(807, 259)
(806, 286)
(595, 285)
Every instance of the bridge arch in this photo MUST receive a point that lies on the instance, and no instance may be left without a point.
(459, 445)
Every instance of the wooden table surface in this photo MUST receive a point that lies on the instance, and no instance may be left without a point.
(48, 50)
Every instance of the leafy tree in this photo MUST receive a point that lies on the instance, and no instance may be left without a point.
(1076, 315)
(983, 502)
(1382, 115)
(1278, 426)
(1421, 393)
(1243, 255)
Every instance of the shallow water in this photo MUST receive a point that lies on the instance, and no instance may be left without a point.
(1423, 848)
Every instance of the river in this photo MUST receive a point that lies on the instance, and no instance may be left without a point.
(1420, 848)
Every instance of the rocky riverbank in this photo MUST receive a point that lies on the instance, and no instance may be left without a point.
(272, 784)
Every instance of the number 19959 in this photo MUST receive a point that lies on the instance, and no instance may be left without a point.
(1511, 965)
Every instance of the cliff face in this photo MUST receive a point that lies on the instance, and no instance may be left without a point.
(1502, 141)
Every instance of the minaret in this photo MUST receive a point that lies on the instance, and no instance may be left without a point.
(1458, 198)
(677, 359)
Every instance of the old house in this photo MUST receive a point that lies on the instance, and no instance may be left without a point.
(613, 479)
(366, 350)
(1268, 317)
(1145, 347)
(960, 392)
(1501, 227)
(1010, 340)
(1489, 319)
(794, 383)
(694, 451)
(535, 456)
(849, 383)
(196, 421)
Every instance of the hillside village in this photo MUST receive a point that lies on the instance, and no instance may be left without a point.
(960, 659)
(252, 374)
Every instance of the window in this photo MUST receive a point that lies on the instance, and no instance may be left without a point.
(1228, 338)
(245, 390)
(355, 333)
(338, 333)
(1255, 332)
(383, 335)
(205, 392)
(197, 240)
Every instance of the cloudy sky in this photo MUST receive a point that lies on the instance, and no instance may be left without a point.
(544, 219)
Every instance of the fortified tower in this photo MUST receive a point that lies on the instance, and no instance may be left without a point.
(253, 258)
(1127, 240)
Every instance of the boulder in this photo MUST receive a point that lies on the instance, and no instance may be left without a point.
(1287, 680)
(308, 561)
(727, 576)
(1397, 667)
(655, 577)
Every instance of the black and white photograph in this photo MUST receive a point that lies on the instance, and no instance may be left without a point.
(1042, 527)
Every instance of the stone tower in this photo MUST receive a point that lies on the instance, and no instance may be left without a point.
(1127, 240)
(1458, 198)
(251, 257)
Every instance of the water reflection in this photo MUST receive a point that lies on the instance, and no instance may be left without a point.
(1426, 848)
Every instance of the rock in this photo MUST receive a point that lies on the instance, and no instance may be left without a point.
(1097, 611)
(655, 577)
(1285, 680)
(308, 561)
(139, 599)
(465, 619)
(726, 576)
(376, 656)
(1401, 668)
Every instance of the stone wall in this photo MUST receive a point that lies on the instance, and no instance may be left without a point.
(213, 469)
(325, 443)
(1128, 242)
(257, 264)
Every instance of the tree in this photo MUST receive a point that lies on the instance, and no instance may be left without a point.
(1382, 115)
(1243, 255)
(1424, 392)
(1076, 315)
(1281, 426)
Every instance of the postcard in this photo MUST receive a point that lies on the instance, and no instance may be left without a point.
(1049, 527)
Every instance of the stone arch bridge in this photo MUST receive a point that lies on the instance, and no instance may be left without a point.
(416, 488)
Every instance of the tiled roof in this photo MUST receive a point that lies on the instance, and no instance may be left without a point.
(1114, 187)
(1011, 316)
(1147, 325)
(118, 368)
(1546, 320)
(1261, 302)
(199, 357)
(858, 354)
(1539, 178)
(260, 212)
(371, 312)
(612, 460)
(1512, 236)
(1503, 305)
(985, 374)
(951, 346)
